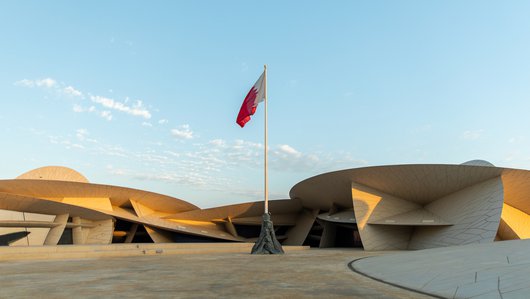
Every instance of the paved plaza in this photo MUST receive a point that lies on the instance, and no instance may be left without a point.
(315, 273)
(492, 270)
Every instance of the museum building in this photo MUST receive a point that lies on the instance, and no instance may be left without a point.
(396, 207)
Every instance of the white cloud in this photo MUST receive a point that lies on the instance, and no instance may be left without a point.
(136, 109)
(46, 82)
(81, 134)
(106, 115)
(517, 139)
(69, 90)
(217, 142)
(25, 83)
(284, 148)
(471, 134)
(220, 154)
(147, 124)
(206, 165)
(77, 108)
(84, 136)
(171, 153)
(163, 121)
(182, 132)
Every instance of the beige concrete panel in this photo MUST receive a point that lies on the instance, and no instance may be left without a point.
(101, 233)
(140, 209)
(78, 234)
(37, 205)
(119, 196)
(124, 212)
(21, 242)
(55, 233)
(230, 228)
(201, 228)
(7, 215)
(517, 189)
(347, 216)
(422, 183)
(131, 233)
(505, 232)
(191, 227)
(36, 224)
(297, 234)
(328, 235)
(373, 205)
(249, 209)
(158, 236)
(28, 216)
(37, 235)
(57, 173)
(475, 212)
(97, 203)
(515, 224)
(419, 217)
(22, 223)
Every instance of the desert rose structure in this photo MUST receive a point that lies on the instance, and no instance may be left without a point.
(396, 207)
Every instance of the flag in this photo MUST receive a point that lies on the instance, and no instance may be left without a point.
(254, 96)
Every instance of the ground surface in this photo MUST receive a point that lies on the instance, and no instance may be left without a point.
(300, 274)
(494, 270)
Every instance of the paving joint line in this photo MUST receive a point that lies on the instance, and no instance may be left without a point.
(352, 268)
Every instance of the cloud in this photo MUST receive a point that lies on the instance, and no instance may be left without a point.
(284, 157)
(182, 132)
(83, 135)
(217, 142)
(77, 108)
(46, 82)
(163, 121)
(136, 109)
(105, 114)
(147, 124)
(517, 139)
(214, 165)
(471, 134)
(69, 90)
(284, 148)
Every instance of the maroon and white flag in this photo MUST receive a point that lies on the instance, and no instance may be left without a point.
(253, 98)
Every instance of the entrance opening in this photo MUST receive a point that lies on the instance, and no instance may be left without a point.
(66, 238)
(347, 236)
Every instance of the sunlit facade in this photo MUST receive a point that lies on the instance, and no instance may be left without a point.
(395, 207)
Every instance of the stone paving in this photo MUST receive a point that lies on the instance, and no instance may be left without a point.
(494, 270)
(315, 273)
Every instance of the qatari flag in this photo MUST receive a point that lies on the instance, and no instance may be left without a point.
(254, 96)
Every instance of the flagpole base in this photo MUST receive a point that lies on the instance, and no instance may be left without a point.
(267, 242)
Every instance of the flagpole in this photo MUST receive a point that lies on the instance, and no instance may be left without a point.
(266, 146)
(266, 242)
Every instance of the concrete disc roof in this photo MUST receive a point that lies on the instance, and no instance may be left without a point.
(420, 183)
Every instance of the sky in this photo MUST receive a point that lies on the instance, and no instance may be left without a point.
(145, 94)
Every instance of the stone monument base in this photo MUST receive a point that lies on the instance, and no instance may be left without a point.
(267, 242)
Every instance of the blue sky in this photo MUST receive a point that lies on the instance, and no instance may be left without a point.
(145, 94)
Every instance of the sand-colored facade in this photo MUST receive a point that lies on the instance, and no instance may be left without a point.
(379, 208)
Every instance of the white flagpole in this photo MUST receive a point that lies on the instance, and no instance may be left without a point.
(266, 147)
